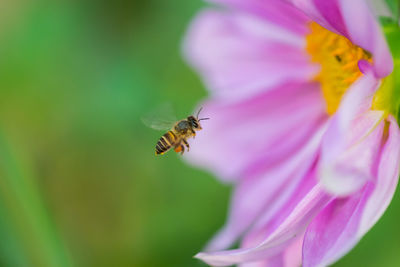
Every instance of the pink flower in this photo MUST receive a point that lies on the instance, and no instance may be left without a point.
(301, 121)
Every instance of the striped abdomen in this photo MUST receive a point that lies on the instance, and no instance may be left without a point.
(165, 143)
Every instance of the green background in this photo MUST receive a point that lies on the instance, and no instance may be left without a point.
(79, 182)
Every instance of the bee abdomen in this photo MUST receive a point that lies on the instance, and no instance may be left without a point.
(165, 143)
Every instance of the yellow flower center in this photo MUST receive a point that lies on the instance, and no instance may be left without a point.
(338, 58)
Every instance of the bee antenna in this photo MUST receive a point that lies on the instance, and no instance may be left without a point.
(198, 113)
(202, 119)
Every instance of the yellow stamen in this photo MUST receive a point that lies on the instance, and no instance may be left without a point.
(338, 58)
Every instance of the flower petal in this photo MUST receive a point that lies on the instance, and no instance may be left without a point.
(332, 232)
(265, 263)
(240, 55)
(343, 222)
(364, 30)
(267, 192)
(275, 11)
(350, 170)
(289, 224)
(388, 175)
(356, 101)
(240, 136)
(324, 12)
(341, 134)
(290, 257)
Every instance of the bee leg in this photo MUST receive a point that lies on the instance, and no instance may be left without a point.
(179, 148)
(193, 134)
(186, 144)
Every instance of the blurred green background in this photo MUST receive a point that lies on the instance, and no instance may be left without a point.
(79, 182)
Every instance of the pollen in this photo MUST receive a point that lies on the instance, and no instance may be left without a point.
(338, 58)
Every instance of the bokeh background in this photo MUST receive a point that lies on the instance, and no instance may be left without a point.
(79, 182)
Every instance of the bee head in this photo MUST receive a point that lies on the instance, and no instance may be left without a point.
(194, 123)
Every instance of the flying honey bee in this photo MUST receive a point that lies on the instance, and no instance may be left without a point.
(178, 134)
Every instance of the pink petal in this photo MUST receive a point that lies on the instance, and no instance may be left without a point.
(345, 221)
(388, 174)
(324, 12)
(265, 263)
(289, 224)
(290, 257)
(275, 11)
(364, 30)
(351, 169)
(331, 233)
(241, 137)
(337, 138)
(267, 192)
(356, 101)
(240, 55)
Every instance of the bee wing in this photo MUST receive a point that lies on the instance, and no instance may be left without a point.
(163, 118)
(158, 124)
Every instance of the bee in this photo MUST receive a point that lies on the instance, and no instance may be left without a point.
(179, 131)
